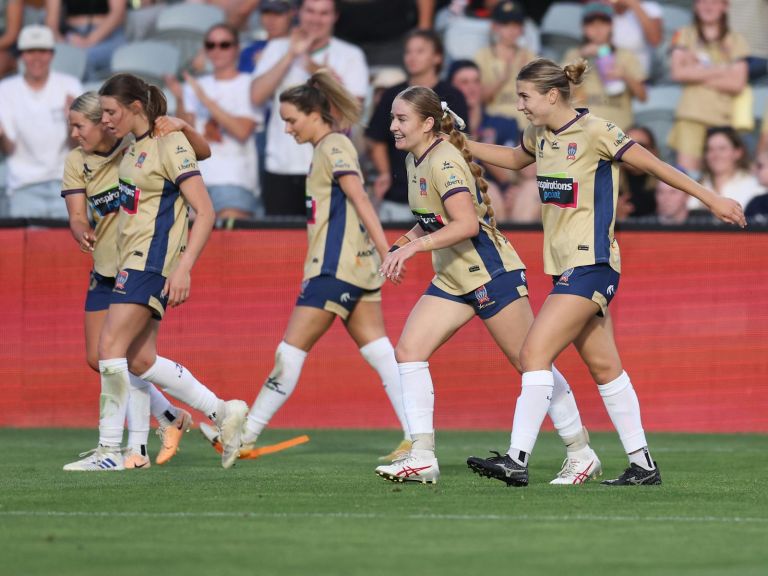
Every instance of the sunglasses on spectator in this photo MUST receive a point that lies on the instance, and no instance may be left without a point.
(226, 45)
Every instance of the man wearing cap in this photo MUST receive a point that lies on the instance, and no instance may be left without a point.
(275, 18)
(33, 128)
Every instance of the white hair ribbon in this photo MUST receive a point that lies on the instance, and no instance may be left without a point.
(457, 120)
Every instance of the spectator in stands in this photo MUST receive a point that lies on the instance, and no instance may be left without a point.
(708, 58)
(219, 106)
(608, 93)
(33, 128)
(423, 60)
(762, 145)
(499, 65)
(287, 62)
(95, 26)
(637, 28)
(757, 209)
(637, 189)
(671, 205)
(748, 18)
(726, 167)
(276, 18)
(11, 16)
(379, 27)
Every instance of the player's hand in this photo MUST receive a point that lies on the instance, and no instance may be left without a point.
(393, 267)
(728, 210)
(87, 241)
(177, 287)
(164, 125)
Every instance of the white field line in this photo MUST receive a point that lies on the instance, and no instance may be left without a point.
(376, 516)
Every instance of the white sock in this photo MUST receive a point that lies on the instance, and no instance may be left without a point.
(623, 407)
(276, 390)
(381, 356)
(565, 414)
(181, 384)
(418, 403)
(160, 407)
(137, 415)
(113, 402)
(532, 405)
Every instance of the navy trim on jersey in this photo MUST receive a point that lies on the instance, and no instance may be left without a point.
(427, 151)
(345, 173)
(164, 219)
(186, 175)
(581, 112)
(624, 148)
(603, 200)
(488, 253)
(65, 193)
(453, 191)
(522, 145)
(337, 223)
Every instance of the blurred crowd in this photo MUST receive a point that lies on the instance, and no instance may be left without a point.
(696, 70)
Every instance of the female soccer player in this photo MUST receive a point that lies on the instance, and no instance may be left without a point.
(477, 272)
(346, 242)
(90, 177)
(158, 182)
(576, 157)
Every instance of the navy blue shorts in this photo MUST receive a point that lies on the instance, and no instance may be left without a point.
(334, 295)
(491, 298)
(140, 287)
(598, 282)
(99, 292)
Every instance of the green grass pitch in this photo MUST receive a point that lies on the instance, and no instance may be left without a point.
(318, 509)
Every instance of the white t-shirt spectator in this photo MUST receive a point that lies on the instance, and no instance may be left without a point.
(628, 33)
(232, 162)
(742, 188)
(36, 120)
(284, 156)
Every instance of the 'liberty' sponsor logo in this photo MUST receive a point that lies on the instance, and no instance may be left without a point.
(558, 189)
(186, 164)
(454, 180)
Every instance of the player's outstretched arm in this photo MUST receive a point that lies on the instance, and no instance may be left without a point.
(502, 156)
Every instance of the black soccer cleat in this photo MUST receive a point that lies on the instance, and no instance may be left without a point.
(500, 467)
(635, 476)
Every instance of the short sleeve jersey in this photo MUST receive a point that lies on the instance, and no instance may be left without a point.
(491, 70)
(578, 180)
(699, 103)
(95, 175)
(153, 219)
(440, 173)
(339, 244)
(591, 93)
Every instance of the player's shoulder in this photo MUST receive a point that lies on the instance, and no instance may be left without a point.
(596, 126)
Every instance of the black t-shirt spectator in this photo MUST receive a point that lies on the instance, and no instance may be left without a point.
(378, 130)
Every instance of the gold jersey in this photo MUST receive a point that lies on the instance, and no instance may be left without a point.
(339, 244)
(153, 220)
(578, 179)
(440, 173)
(95, 175)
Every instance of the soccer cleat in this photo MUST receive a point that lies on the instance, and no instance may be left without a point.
(578, 467)
(635, 476)
(171, 435)
(412, 468)
(231, 426)
(401, 451)
(211, 434)
(132, 460)
(501, 467)
(101, 459)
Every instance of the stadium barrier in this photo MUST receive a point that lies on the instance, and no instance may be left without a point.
(691, 320)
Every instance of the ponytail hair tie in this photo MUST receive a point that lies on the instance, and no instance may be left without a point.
(457, 120)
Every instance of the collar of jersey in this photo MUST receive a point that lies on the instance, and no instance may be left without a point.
(143, 135)
(581, 113)
(428, 150)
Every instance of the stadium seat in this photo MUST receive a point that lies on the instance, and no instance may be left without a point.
(185, 25)
(464, 37)
(560, 29)
(69, 60)
(150, 59)
(658, 113)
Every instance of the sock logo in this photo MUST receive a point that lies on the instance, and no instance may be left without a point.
(274, 385)
(179, 369)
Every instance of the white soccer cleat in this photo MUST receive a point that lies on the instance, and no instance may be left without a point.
(231, 427)
(400, 451)
(417, 466)
(578, 467)
(101, 459)
(211, 433)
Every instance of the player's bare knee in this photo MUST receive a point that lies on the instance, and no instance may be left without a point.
(406, 353)
(140, 363)
(93, 360)
(531, 359)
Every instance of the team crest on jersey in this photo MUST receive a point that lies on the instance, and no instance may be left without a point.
(121, 280)
(481, 295)
(571, 151)
(565, 277)
(140, 160)
(423, 186)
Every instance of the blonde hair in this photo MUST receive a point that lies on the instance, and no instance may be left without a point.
(427, 104)
(324, 94)
(88, 105)
(545, 75)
